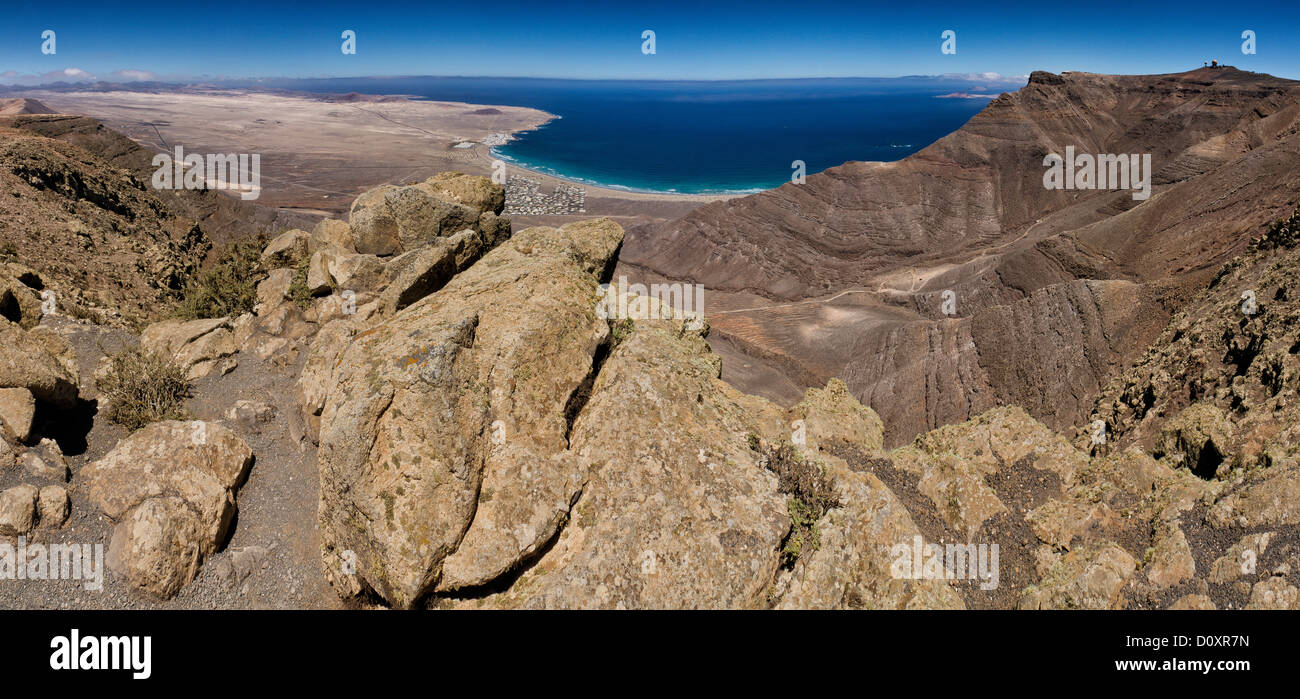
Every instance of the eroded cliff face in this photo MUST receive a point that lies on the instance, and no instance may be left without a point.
(957, 277)
(1217, 390)
(497, 444)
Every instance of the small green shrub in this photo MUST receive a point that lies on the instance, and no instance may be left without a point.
(811, 493)
(298, 291)
(622, 330)
(143, 387)
(227, 288)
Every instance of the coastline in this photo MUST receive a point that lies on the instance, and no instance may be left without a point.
(550, 180)
(321, 151)
(612, 188)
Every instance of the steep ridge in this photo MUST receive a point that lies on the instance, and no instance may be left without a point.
(221, 217)
(79, 210)
(1054, 291)
(23, 105)
(93, 235)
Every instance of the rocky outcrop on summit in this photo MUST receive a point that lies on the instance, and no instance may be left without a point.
(498, 354)
(676, 510)
(954, 274)
(389, 220)
(496, 443)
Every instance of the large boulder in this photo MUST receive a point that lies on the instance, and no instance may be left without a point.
(425, 270)
(195, 345)
(39, 362)
(332, 235)
(406, 432)
(273, 290)
(475, 191)
(390, 219)
(356, 272)
(20, 300)
(286, 249)
(678, 510)
(170, 487)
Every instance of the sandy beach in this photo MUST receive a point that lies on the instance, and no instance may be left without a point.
(317, 154)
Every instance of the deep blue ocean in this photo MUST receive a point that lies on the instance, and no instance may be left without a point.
(699, 136)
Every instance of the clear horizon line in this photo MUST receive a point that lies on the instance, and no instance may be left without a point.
(224, 79)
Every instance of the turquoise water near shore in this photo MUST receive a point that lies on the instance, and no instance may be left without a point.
(700, 137)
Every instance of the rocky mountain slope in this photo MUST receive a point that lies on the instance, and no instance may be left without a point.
(23, 105)
(76, 207)
(221, 217)
(103, 243)
(426, 409)
(1053, 292)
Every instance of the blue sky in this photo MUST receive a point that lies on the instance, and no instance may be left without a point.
(602, 38)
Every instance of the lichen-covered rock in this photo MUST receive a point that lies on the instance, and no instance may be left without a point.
(319, 281)
(1274, 593)
(423, 271)
(1200, 439)
(17, 408)
(356, 272)
(832, 411)
(332, 235)
(475, 191)
(853, 566)
(389, 219)
(170, 487)
(1241, 559)
(407, 455)
(286, 249)
(35, 361)
(19, 302)
(53, 505)
(677, 510)
(1270, 497)
(17, 510)
(273, 290)
(194, 345)
(1091, 578)
(1171, 558)
(45, 464)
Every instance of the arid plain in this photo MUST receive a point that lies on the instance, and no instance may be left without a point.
(319, 152)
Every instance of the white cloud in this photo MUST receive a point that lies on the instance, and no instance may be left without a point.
(75, 74)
